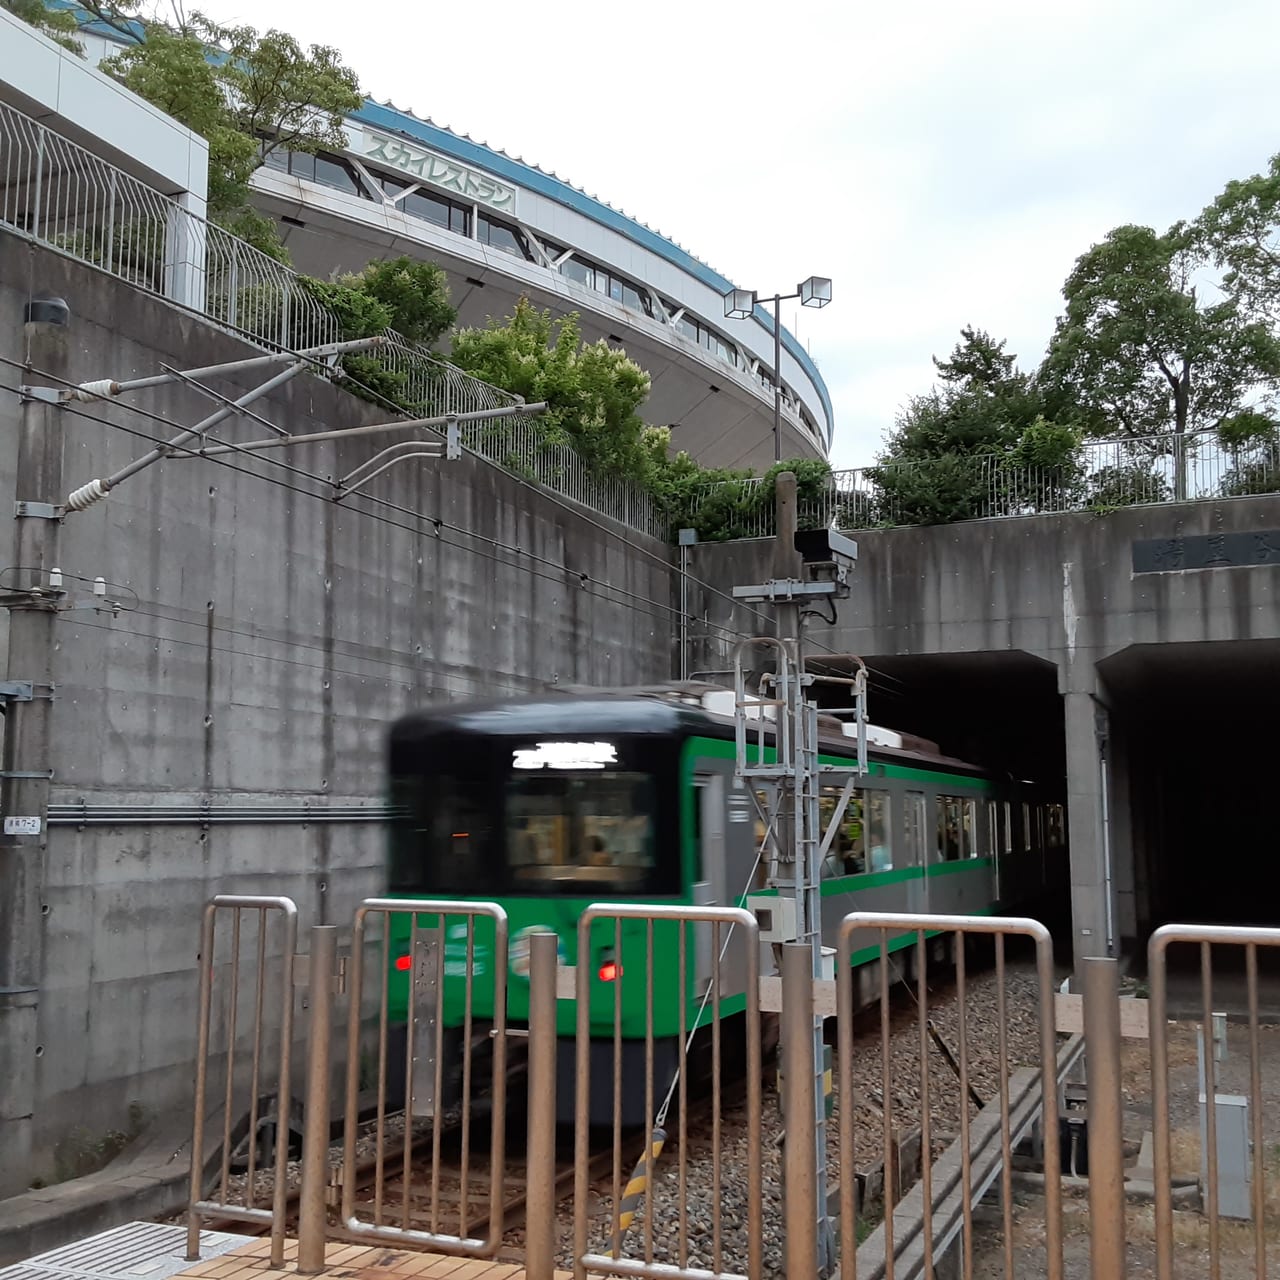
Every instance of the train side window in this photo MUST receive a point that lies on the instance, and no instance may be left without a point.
(879, 832)
(1056, 827)
(1008, 827)
(846, 855)
(969, 829)
(993, 829)
(950, 822)
(1026, 827)
(914, 827)
(699, 795)
(770, 851)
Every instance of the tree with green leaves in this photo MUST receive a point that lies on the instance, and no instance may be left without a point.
(248, 94)
(59, 25)
(1240, 231)
(978, 444)
(404, 294)
(1141, 353)
(1251, 440)
(593, 391)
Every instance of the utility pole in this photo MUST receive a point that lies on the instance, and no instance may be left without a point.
(31, 597)
(809, 567)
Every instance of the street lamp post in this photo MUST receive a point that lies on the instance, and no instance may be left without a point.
(740, 304)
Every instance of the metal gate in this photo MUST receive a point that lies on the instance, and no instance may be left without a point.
(236, 1027)
(428, 952)
(915, 1233)
(1234, 1166)
(637, 963)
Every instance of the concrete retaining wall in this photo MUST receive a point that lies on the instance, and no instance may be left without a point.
(268, 638)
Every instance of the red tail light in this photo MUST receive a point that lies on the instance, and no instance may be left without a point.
(610, 971)
(404, 963)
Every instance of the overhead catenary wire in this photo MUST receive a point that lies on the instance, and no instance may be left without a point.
(310, 357)
(436, 676)
(563, 574)
(521, 480)
(437, 522)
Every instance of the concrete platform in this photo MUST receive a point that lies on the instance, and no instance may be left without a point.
(135, 1251)
(155, 1251)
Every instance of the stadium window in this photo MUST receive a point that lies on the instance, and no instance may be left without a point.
(439, 210)
(429, 208)
(302, 165)
(332, 172)
(497, 235)
(580, 272)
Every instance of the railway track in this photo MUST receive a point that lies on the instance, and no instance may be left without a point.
(452, 1197)
(438, 1204)
(455, 1201)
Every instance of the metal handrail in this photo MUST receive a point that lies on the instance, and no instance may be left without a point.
(59, 194)
(1099, 474)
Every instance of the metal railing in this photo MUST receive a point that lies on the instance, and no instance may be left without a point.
(63, 196)
(668, 1004)
(1098, 475)
(662, 978)
(1230, 1131)
(440, 1082)
(914, 1234)
(238, 1025)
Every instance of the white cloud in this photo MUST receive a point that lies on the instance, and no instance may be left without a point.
(944, 164)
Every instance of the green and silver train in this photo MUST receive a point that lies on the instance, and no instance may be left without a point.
(548, 804)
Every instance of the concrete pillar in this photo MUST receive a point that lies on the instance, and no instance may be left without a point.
(28, 758)
(1088, 794)
(1123, 840)
(186, 252)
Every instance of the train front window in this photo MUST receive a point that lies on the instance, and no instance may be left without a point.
(441, 834)
(581, 833)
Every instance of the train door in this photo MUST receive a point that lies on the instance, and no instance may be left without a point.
(709, 887)
(914, 833)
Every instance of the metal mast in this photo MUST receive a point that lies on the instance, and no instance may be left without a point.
(810, 567)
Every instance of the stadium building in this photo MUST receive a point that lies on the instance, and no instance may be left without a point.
(501, 228)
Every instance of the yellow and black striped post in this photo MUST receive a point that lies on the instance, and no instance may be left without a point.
(827, 1082)
(633, 1197)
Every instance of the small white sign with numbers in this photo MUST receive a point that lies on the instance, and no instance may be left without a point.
(22, 826)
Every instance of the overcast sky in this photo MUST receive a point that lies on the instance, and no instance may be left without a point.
(944, 163)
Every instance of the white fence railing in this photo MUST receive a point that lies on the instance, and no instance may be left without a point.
(64, 196)
(1099, 475)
